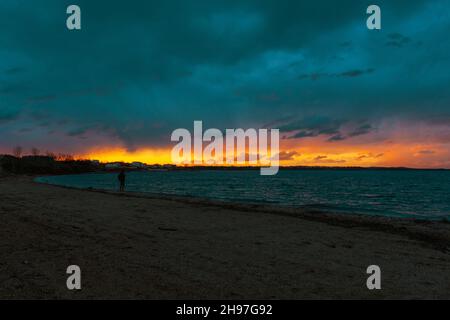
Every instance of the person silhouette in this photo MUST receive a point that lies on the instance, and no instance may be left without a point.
(121, 178)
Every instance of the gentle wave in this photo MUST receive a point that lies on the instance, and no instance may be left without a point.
(402, 193)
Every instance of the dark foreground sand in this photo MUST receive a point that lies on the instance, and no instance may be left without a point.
(134, 247)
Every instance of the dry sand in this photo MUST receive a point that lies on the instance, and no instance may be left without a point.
(130, 246)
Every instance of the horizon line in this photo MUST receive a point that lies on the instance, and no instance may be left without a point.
(232, 166)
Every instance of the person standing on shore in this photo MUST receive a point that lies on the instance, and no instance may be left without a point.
(121, 178)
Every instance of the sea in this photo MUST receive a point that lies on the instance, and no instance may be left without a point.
(419, 194)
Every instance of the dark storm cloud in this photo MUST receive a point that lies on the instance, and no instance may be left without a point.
(355, 132)
(335, 130)
(397, 40)
(336, 137)
(314, 76)
(145, 68)
(287, 155)
(312, 127)
(361, 130)
(350, 74)
(313, 123)
(368, 156)
(356, 73)
(8, 115)
(326, 160)
(77, 132)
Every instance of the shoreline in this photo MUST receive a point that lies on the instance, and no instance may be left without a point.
(133, 246)
(418, 213)
(394, 224)
(288, 210)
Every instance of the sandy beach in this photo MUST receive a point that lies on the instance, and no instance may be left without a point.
(130, 246)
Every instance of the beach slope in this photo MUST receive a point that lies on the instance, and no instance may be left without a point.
(135, 247)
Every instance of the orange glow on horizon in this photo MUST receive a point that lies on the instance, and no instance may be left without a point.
(116, 154)
(310, 154)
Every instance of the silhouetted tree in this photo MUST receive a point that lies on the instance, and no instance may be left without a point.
(17, 151)
(50, 154)
(64, 157)
(35, 151)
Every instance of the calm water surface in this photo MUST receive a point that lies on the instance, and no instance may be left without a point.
(405, 193)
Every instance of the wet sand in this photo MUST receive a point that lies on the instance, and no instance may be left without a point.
(130, 246)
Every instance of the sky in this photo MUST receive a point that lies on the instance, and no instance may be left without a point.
(341, 95)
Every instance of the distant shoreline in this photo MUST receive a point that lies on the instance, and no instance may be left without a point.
(308, 168)
(250, 168)
(44, 165)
